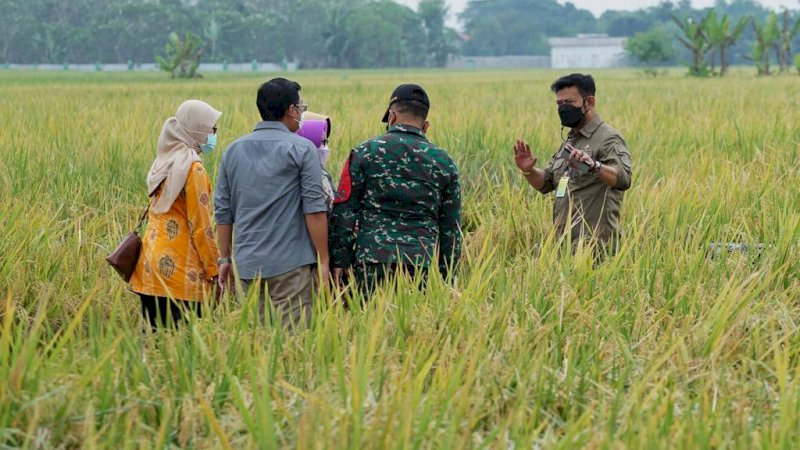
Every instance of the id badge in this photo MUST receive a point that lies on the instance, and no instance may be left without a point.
(562, 186)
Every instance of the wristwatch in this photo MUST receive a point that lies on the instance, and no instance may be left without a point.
(596, 167)
(221, 261)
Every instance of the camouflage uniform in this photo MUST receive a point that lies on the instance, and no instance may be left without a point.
(405, 195)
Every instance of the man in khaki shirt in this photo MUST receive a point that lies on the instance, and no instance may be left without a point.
(590, 182)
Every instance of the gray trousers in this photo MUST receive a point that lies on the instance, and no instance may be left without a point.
(291, 295)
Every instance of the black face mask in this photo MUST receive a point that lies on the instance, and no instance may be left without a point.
(571, 116)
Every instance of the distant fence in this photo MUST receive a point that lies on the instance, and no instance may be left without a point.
(499, 62)
(204, 67)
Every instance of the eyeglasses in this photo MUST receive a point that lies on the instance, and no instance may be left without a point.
(302, 107)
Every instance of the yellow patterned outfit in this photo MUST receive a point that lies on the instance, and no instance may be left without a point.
(179, 251)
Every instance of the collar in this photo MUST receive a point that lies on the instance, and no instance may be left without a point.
(402, 128)
(270, 125)
(589, 129)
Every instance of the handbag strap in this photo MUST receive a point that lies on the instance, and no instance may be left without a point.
(147, 210)
(141, 219)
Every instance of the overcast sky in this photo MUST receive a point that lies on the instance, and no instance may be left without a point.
(598, 6)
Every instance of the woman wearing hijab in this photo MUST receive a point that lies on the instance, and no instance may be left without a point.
(178, 262)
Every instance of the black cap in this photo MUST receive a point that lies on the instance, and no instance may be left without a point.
(406, 92)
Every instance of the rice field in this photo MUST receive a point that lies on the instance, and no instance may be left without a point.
(660, 347)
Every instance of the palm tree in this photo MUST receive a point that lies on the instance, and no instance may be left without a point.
(722, 36)
(783, 47)
(696, 40)
(767, 35)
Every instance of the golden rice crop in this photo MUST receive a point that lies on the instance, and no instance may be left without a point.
(660, 347)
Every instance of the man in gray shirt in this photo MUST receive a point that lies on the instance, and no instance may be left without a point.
(269, 192)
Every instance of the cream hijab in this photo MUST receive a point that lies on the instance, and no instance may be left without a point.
(178, 147)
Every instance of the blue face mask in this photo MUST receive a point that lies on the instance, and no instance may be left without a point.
(209, 146)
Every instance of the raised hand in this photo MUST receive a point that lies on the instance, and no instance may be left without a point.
(523, 158)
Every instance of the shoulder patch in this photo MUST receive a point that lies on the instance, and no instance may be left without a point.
(624, 156)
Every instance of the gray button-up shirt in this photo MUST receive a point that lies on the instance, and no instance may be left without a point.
(268, 180)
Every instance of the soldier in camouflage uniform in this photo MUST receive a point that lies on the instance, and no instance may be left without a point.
(404, 194)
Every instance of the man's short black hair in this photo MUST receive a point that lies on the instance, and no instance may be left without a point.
(411, 108)
(584, 83)
(275, 97)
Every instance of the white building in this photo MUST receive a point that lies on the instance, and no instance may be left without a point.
(587, 51)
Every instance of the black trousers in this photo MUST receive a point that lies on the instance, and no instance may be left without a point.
(164, 312)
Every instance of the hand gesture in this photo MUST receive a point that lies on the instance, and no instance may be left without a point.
(523, 158)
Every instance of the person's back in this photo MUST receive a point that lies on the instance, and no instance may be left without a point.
(177, 262)
(269, 194)
(406, 180)
(403, 195)
(267, 169)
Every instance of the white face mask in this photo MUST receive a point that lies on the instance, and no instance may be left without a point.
(300, 122)
(324, 153)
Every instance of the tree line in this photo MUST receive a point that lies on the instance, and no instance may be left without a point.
(315, 33)
(708, 39)
(382, 33)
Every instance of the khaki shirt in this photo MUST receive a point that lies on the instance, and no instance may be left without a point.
(590, 205)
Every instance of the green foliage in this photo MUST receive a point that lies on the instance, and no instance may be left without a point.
(212, 34)
(85, 31)
(628, 23)
(694, 37)
(182, 56)
(379, 34)
(760, 58)
(440, 40)
(651, 48)
(520, 27)
(797, 62)
(318, 33)
(767, 37)
(783, 48)
(722, 36)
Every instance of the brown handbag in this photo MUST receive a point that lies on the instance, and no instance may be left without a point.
(124, 258)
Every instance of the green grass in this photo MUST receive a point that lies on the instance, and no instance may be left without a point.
(660, 347)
